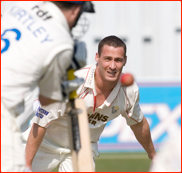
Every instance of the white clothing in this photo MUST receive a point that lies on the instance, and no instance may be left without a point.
(49, 157)
(23, 119)
(34, 59)
(36, 50)
(168, 158)
(12, 153)
(49, 161)
(122, 100)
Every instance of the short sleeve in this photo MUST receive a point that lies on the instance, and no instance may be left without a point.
(133, 111)
(50, 83)
(46, 114)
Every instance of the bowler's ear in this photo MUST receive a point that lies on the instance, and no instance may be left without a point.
(97, 57)
(125, 58)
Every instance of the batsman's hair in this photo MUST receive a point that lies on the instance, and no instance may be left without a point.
(111, 41)
(86, 6)
(64, 5)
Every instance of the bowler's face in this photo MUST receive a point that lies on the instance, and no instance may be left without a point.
(111, 62)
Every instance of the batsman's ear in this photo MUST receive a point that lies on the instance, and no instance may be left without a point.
(125, 60)
(96, 57)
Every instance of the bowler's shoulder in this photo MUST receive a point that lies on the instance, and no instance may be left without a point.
(83, 72)
(131, 91)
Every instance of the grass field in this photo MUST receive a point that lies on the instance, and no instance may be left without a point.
(122, 162)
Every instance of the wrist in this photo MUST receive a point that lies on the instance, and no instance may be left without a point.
(27, 169)
(151, 155)
(28, 166)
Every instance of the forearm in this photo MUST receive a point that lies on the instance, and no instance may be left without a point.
(34, 140)
(46, 101)
(142, 134)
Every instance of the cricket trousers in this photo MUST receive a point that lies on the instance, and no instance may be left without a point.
(49, 156)
(12, 152)
(46, 160)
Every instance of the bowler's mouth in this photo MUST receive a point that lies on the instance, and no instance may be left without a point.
(111, 73)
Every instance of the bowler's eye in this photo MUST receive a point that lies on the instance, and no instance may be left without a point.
(119, 59)
(107, 58)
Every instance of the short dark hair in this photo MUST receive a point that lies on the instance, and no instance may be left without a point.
(111, 41)
(63, 4)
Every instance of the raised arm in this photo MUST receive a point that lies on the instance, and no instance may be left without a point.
(142, 134)
(35, 138)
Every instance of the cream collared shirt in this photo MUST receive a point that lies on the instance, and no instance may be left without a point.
(122, 101)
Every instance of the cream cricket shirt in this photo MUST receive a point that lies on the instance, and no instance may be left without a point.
(122, 100)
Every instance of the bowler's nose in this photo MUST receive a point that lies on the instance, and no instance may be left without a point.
(112, 65)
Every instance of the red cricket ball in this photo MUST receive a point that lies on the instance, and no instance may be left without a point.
(127, 79)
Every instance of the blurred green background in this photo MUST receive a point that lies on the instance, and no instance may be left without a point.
(122, 162)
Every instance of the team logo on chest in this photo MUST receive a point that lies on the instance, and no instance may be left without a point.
(97, 117)
(114, 109)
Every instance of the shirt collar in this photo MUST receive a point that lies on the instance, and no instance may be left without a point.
(90, 83)
(113, 94)
(90, 80)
